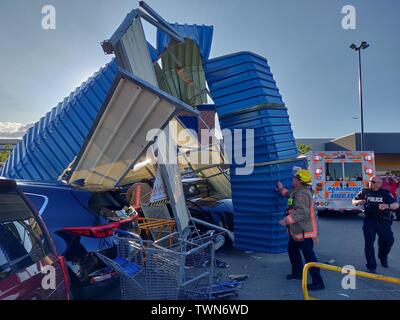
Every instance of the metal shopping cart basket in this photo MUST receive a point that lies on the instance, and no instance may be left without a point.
(167, 269)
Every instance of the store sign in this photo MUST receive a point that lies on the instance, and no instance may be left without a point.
(158, 195)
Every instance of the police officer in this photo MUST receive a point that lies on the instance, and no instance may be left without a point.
(301, 222)
(378, 204)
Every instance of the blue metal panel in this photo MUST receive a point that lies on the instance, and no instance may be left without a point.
(246, 97)
(236, 70)
(273, 135)
(258, 207)
(236, 59)
(202, 35)
(241, 81)
(206, 107)
(243, 77)
(52, 143)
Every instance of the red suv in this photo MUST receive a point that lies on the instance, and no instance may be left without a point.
(29, 265)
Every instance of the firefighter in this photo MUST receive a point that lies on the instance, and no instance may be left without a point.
(378, 204)
(301, 222)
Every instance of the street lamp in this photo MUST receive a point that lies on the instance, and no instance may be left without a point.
(363, 45)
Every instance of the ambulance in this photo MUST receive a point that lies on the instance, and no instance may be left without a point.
(337, 177)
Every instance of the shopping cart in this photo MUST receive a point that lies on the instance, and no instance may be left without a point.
(156, 228)
(171, 268)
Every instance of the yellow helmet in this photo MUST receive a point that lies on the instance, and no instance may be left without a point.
(304, 176)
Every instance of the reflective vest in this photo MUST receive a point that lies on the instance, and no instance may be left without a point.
(300, 215)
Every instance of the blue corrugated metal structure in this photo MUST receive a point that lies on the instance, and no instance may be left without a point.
(52, 143)
(246, 97)
(200, 34)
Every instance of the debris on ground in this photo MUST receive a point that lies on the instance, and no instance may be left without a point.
(225, 290)
(238, 277)
(221, 264)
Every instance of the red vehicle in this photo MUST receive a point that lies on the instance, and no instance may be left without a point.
(29, 266)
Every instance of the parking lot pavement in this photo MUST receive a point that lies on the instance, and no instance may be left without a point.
(341, 240)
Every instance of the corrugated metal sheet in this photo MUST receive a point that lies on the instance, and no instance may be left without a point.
(54, 141)
(119, 136)
(132, 50)
(273, 134)
(214, 174)
(188, 55)
(212, 171)
(200, 34)
(241, 81)
(152, 113)
(246, 97)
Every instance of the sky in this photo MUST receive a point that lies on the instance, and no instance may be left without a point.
(303, 41)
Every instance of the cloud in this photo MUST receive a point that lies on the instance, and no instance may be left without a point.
(13, 129)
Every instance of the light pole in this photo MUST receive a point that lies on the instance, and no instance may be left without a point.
(363, 45)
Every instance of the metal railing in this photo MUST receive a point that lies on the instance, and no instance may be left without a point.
(362, 274)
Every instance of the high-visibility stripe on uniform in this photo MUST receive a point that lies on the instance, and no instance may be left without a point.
(314, 232)
(298, 236)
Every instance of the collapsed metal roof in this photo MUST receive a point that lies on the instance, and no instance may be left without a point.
(120, 133)
(53, 142)
(182, 74)
(245, 95)
(200, 34)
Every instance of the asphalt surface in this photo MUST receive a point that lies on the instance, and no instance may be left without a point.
(341, 243)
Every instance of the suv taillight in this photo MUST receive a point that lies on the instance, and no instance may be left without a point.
(103, 231)
(64, 269)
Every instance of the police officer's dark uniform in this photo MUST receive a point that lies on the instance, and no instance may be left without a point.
(377, 222)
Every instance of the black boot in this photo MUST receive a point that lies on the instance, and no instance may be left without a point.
(316, 286)
(293, 277)
(384, 263)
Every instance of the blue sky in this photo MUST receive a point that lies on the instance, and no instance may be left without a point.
(307, 49)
